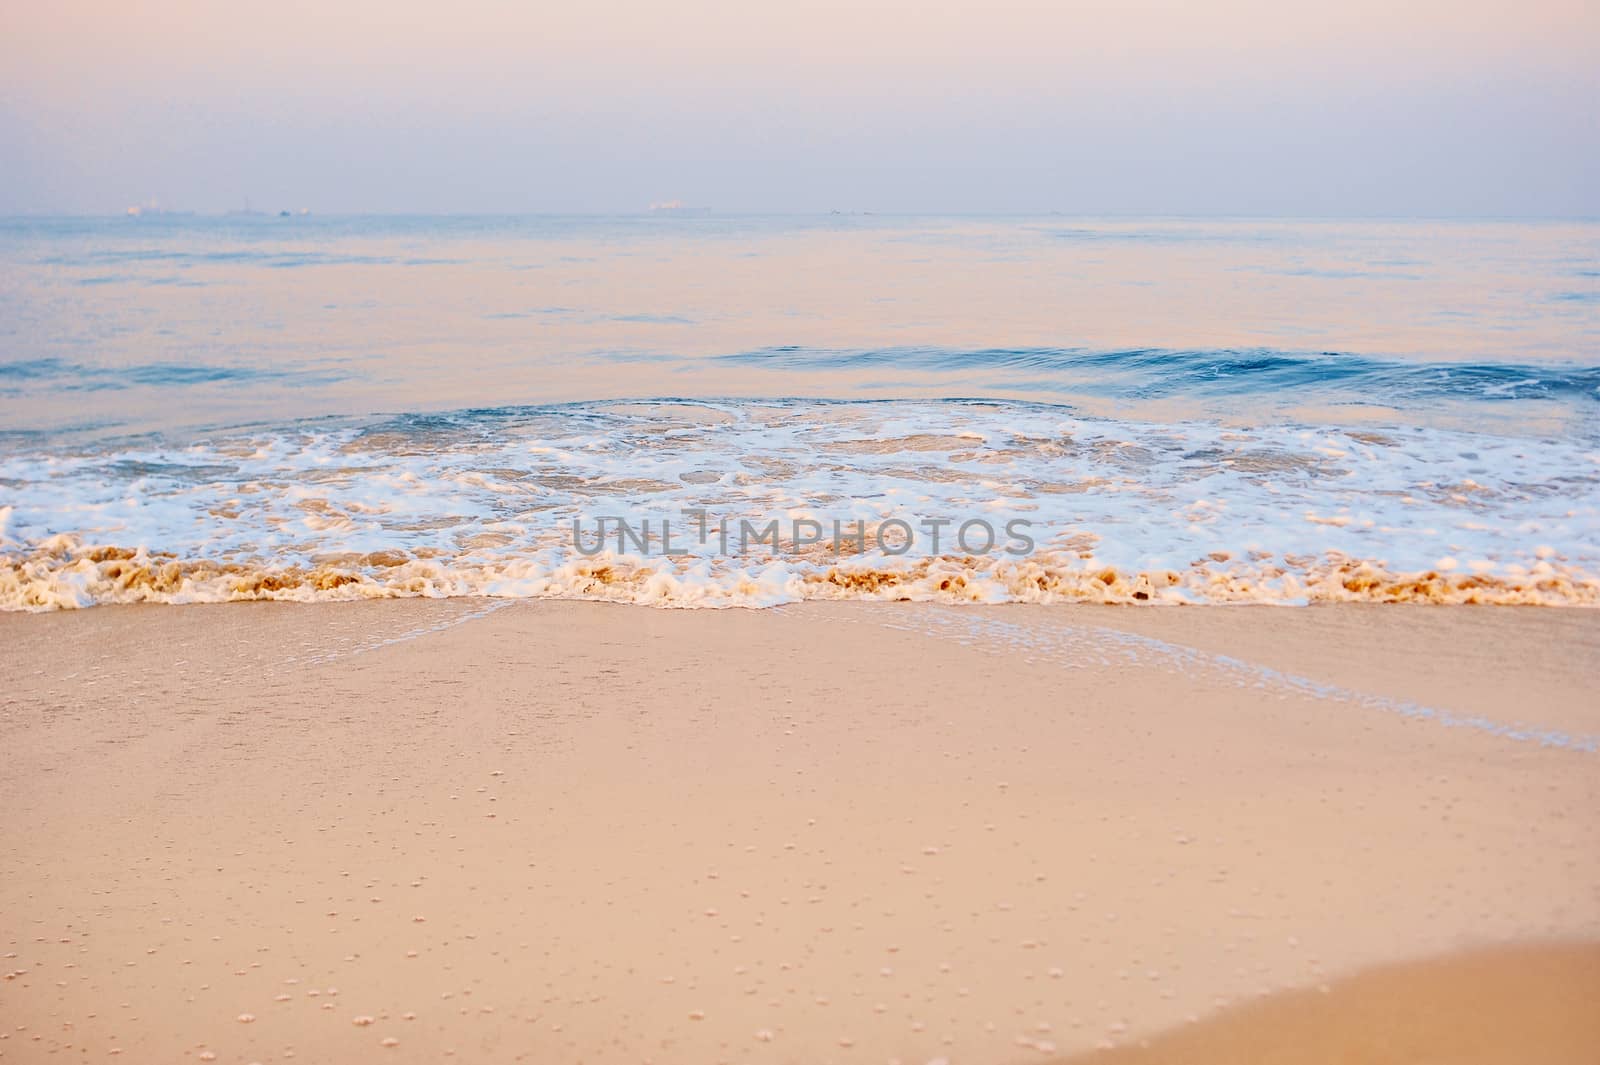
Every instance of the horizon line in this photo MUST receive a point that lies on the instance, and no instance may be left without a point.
(702, 213)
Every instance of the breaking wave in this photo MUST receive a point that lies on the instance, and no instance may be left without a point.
(67, 574)
(1156, 373)
(485, 503)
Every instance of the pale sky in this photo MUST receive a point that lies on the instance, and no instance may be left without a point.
(1340, 107)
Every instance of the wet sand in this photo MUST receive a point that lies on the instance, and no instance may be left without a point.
(544, 832)
(1508, 1005)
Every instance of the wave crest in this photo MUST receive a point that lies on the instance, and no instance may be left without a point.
(64, 574)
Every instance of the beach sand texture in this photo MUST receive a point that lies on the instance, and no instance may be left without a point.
(496, 831)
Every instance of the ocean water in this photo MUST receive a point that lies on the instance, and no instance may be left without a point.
(720, 411)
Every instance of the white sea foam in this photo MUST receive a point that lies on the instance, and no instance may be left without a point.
(483, 503)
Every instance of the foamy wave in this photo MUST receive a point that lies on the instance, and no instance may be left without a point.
(487, 503)
(67, 575)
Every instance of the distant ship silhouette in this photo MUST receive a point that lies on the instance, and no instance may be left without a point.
(678, 207)
(153, 208)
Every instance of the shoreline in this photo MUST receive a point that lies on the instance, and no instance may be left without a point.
(63, 574)
(1478, 1007)
(569, 831)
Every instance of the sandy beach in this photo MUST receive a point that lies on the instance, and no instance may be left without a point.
(858, 533)
(509, 831)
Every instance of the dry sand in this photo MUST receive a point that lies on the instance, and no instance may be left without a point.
(419, 831)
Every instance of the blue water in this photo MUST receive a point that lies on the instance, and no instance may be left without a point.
(215, 321)
(1205, 374)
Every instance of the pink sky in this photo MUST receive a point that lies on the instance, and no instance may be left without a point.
(1241, 106)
